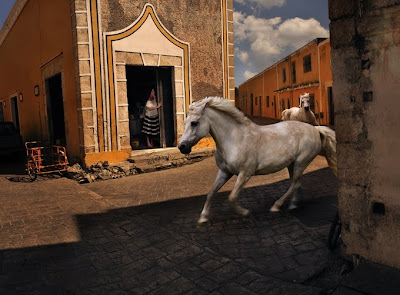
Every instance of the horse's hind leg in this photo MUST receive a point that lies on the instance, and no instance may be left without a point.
(294, 202)
(297, 172)
(222, 178)
(295, 198)
(233, 196)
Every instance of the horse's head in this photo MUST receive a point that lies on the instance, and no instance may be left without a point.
(305, 101)
(197, 126)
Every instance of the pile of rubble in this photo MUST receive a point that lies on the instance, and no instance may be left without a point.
(143, 163)
(101, 171)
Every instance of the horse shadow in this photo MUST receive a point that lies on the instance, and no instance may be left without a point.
(157, 248)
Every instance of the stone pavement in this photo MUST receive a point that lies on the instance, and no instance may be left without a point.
(58, 237)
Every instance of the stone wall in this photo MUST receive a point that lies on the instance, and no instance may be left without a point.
(196, 22)
(365, 41)
(87, 121)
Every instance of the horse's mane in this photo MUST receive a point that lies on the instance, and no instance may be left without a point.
(222, 105)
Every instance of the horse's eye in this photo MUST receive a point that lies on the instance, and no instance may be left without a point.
(194, 123)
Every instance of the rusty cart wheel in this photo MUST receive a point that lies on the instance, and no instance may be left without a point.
(31, 168)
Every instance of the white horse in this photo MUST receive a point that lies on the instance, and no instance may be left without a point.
(245, 149)
(303, 113)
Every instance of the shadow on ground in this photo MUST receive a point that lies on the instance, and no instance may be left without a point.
(12, 164)
(158, 249)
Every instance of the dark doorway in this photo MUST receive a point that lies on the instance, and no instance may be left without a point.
(140, 81)
(55, 110)
(14, 111)
(274, 104)
(282, 105)
(331, 107)
(1, 112)
(251, 104)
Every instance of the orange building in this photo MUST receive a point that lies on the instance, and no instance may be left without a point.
(79, 72)
(279, 86)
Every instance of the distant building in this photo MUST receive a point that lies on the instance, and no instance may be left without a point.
(279, 86)
(78, 72)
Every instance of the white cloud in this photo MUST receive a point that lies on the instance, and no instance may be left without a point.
(242, 55)
(262, 3)
(261, 42)
(247, 74)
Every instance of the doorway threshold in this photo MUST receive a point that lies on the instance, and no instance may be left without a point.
(157, 159)
(156, 151)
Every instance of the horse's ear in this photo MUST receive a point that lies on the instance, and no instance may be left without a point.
(199, 109)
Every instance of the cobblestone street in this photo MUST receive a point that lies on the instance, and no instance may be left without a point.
(138, 234)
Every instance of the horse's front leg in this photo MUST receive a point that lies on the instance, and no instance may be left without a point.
(233, 196)
(222, 178)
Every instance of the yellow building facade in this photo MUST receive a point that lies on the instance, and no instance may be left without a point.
(78, 72)
(279, 86)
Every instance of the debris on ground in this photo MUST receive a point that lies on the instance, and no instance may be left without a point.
(143, 163)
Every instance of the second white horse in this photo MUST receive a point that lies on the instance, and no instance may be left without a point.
(303, 113)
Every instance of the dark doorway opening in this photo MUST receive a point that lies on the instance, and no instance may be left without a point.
(14, 111)
(251, 104)
(1, 112)
(55, 110)
(140, 81)
(331, 107)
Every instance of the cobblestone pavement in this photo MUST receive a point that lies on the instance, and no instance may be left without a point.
(58, 237)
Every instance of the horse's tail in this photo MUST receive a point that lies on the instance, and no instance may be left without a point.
(328, 140)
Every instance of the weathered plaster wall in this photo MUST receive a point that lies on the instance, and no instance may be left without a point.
(365, 40)
(195, 22)
(41, 33)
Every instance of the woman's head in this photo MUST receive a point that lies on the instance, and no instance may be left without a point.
(152, 95)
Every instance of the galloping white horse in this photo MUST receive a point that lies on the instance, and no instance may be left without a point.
(245, 149)
(303, 113)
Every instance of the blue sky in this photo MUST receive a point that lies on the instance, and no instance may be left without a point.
(265, 30)
(268, 30)
(5, 7)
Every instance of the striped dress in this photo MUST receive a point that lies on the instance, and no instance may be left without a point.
(151, 125)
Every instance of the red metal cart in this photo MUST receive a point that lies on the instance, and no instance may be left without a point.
(43, 159)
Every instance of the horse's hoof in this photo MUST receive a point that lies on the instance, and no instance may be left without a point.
(202, 220)
(293, 206)
(245, 213)
(274, 209)
(201, 224)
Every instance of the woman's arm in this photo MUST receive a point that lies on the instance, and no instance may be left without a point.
(154, 108)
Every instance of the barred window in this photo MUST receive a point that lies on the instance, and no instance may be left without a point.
(307, 63)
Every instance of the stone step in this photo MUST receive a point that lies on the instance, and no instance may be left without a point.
(157, 157)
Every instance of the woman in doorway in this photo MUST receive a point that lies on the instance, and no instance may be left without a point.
(151, 126)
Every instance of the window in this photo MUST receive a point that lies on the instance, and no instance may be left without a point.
(283, 104)
(288, 103)
(307, 63)
(294, 72)
(267, 101)
(284, 75)
(256, 100)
